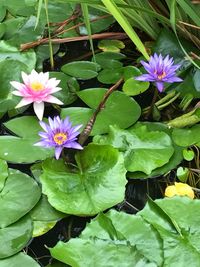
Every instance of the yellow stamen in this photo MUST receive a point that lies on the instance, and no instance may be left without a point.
(36, 86)
(60, 138)
(160, 77)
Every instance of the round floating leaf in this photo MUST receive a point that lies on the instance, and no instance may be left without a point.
(78, 252)
(18, 196)
(133, 87)
(187, 136)
(8, 51)
(164, 223)
(175, 159)
(14, 237)
(109, 60)
(69, 87)
(182, 174)
(111, 45)
(188, 154)
(177, 221)
(21, 149)
(19, 260)
(130, 72)
(121, 226)
(143, 150)
(9, 70)
(84, 70)
(110, 76)
(43, 211)
(42, 227)
(119, 109)
(98, 182)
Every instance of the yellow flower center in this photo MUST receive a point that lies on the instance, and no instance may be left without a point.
(37, 86)
(161, 76)
(60, 138)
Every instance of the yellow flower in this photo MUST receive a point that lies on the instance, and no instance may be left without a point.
(179, 189)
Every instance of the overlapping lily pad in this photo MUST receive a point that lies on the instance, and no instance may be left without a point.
(18, 196)
(20, 259)
(119, 109)
(153, 237)
(96, 184)
(21, 149)
(14, 237)
(143, 150)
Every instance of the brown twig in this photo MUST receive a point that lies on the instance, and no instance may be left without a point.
(107, 35)
(88, 128)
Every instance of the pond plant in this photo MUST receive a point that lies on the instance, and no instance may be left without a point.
(100, 133)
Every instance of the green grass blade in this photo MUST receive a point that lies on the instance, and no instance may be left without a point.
(86, 18)
(38, 12)
(190, 11)
(121, 19)
(173, 24)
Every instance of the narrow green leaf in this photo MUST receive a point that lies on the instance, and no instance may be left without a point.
(117, 14)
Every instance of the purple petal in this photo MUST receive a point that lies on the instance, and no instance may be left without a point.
(73, 145)
(145, 78)
(58, 151)
(160, 86)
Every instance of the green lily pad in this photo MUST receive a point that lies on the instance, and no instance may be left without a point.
(43, 211)
(97, 184)
(111, 45)
(18, 196)
(109, 60)
(9, 70)
(21, 149)
(14, 237)
(162, 234)
(110, 76)
(143, 150)
(42, 227)
(84, 70)
(7, 51)
(119, 109)
(20, 259)
(187, 136)
(69, 87)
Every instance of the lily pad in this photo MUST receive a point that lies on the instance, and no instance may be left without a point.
(21, 149)
(126, 240)
(143, 150)
(98, 182)
(14, 237)
(187, 136)
(119, 109)
(81, 69)
(18, 196)
(20, 259)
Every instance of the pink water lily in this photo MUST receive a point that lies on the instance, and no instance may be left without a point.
(37, 89)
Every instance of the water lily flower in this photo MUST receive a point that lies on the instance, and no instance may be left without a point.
(179, 189)
(37, 89)
(160, 70)
(59, 134)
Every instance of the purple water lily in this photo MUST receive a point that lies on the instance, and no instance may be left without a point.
(59, 134)
(160, 70)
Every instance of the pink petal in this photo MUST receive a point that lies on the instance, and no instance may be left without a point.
(54, 90)
(25, 77)
(18, 93)
(53, 99)
(17, 85)
(24, 102)
(39, 109)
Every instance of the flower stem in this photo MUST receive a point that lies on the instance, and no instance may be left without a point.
(88, 128)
